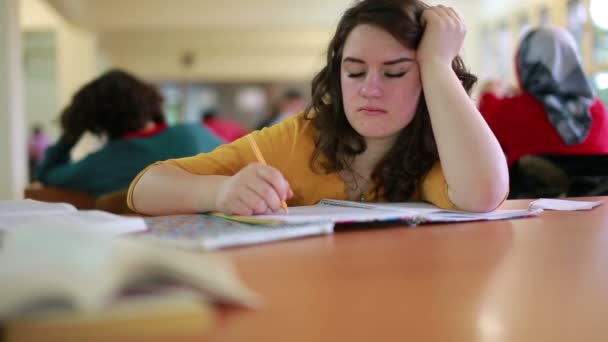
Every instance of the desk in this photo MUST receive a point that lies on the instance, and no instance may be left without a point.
(535, 279)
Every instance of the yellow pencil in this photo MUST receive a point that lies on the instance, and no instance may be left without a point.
(260, 158)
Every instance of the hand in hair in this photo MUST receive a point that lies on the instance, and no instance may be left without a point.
(73, 126)
(443, 35)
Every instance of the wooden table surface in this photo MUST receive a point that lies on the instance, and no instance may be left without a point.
(533, 279)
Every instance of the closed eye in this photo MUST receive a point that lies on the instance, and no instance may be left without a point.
(356, 75)
(397, 75)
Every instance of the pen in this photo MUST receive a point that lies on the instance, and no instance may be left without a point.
(260, 158)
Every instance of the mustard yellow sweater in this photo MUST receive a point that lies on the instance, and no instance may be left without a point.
(288, 146)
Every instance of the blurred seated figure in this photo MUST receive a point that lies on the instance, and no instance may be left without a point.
(291, 103)
(556, 111)
(129, 112)
(554, 175)
(227, 130)
(37, 145)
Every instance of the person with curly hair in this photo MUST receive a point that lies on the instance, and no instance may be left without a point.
(390, 120)
(129, 113)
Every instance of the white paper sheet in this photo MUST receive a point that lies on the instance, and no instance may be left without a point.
(565, 205)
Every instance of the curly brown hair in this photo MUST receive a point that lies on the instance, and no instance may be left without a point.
(114, 104)
(411, 157)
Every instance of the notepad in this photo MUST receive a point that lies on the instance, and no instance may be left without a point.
(564, 205)
(212, 232)
(412, 213)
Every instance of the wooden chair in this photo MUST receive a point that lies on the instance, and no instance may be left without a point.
(559, 175)
(115, 202)
(79, 199)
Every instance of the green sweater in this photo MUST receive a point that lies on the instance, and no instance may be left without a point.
(114, 166)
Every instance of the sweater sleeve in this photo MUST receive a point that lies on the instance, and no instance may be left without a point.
(276, 143)
(434, 188)
(56, 169)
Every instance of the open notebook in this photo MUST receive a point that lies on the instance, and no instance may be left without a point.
(217, 230)
(411, 213)
(212, 232)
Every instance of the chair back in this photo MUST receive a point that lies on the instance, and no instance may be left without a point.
(79, 199)
(550, 176)
(114, 202)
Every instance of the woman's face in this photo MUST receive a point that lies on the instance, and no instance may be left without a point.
(380, 83)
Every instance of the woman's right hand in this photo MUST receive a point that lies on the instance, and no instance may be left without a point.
(255, 189)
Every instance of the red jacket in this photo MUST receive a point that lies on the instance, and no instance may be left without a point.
(523, 128)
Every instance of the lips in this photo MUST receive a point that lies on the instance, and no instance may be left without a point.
(369, 110)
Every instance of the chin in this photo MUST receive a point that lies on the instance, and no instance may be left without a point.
(377, 134)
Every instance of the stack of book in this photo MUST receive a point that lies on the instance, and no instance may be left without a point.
(66, 275)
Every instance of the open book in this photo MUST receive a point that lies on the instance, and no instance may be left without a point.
(213, 232)
(63, 271)
(47, 215)
(412, 213)
(218, 230)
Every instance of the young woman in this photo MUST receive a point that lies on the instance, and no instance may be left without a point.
(390, 120)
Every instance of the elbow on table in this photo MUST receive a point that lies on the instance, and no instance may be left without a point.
(486, 197)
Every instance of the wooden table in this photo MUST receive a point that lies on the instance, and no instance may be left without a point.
(534, 279)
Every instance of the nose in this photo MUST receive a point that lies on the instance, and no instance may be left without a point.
(371, 86)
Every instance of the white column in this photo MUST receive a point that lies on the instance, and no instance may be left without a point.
(13, 149)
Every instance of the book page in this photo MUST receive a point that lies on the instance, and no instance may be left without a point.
(338, 211)
(96, 220)
(218, 231)
(333, 213)
(31, 207)
(58, 270)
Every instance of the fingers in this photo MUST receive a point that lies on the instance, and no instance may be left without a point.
(275, 179)
(442, 13)
(257, 203)
(454, 14)
(266, 195)
(443, 36)
(457, 20)
(258, 188)
(238, 207)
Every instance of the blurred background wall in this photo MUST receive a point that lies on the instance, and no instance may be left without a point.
(236, 56)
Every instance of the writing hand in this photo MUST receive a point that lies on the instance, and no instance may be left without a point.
(256, 189)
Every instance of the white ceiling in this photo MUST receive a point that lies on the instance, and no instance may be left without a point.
(120, 15)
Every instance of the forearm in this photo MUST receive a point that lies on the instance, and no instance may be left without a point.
(166, 189)
(56, 156)
(473, 163)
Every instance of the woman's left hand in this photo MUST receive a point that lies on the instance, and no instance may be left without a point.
(443, 35)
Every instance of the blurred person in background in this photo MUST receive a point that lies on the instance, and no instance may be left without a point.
(291, 103)
(37, 145)
(227, 130)
(129, 112)
(556, 111)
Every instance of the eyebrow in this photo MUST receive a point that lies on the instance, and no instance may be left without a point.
(391, 62)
